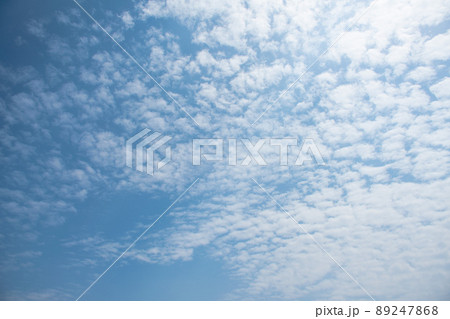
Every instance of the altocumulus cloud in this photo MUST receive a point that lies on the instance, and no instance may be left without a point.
(376, 104)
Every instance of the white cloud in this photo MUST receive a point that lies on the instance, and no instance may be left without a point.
(437, 48)
(441, 89)
(127, 19)
(422, 74)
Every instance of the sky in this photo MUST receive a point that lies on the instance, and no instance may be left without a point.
(367, 82)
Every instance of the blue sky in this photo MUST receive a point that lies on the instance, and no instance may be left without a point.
(376, 104)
